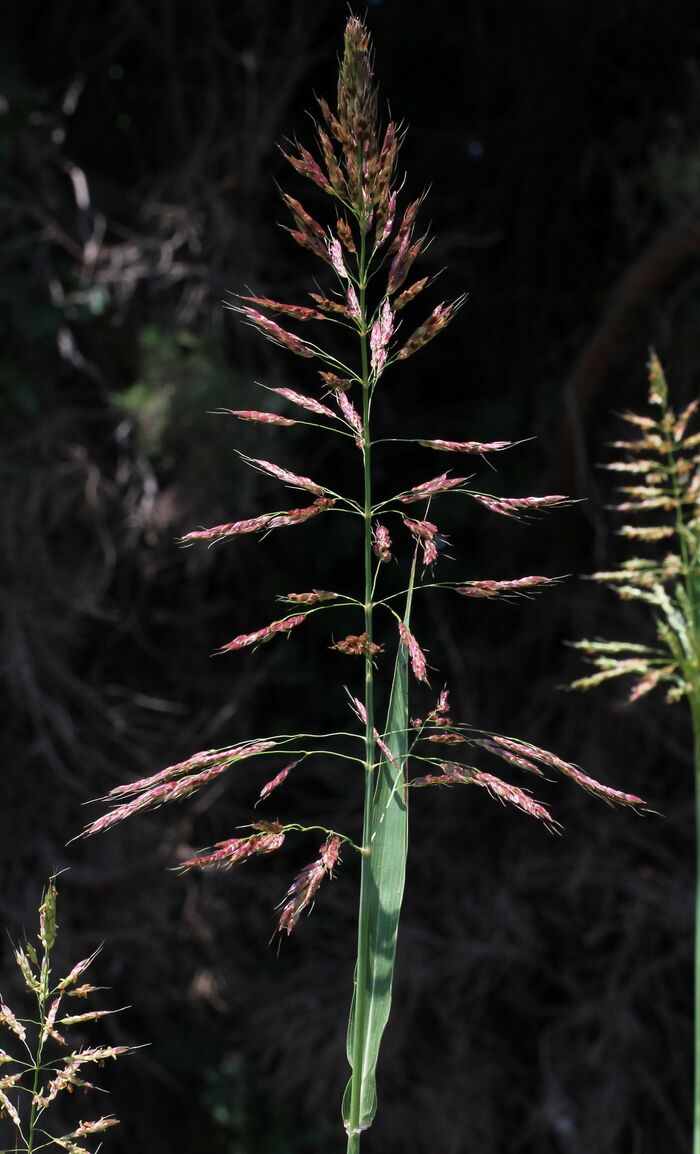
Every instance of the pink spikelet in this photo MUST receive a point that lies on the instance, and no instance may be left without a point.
(451, 774)
(256, 524)
(512, 758)
(380, 336)
(233, 529)
(439, 318)
(277, 780)
(284, 475)
(385, 221)
(333, 381)
(468, 446)
(466, 775)
(298, 312)
(410, 293)
(353, 305)
(7, 1018)
(304, 402)
(381, 542)
(332, 306)
(500, 588)
(336, 254)
(385, 748)
(297, 516)
(430, 553)
(406, 226)
(273, 331)
(400, 265)
(362, 714)
(421, 529)
(649, 682)
(345, 234)
(425, 532)
(306, 165)
(155, 796)
(544, 757)
(49, 1030)
(308, 233)
(314, 597)
(514, 796)
(93, 1127)
(418, 664)
(443, 702)
(441, 484)
(351, 415)
(359, 708)
(305, 885)
(261, 418)
(517, 506)
(236, 849)
(260, 636)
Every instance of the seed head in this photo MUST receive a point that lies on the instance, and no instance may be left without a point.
(277, 780)
(273, 331)
(380, 337)
(260, 636)
(305, 885)
(439, 318)
(227, 853)
(357, 97)
(298, 312)
(415, 653)
(351, 415)
(468, 446)
(441, 484)
(515, 506)
(500, 588)
(357, 646)
(284, 475)
(381, 542)
(261, 418)
(304, 402)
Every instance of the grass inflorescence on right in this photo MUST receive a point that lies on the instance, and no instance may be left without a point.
(660, 500)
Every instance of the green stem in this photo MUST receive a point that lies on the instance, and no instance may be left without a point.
(353, 1146)
(361, 965)
(34, 1110)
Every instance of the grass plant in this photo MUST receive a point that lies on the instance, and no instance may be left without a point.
(662, 493)
(39, 1066)
(368, 249)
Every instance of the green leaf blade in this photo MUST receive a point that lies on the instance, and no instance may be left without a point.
(384, 876)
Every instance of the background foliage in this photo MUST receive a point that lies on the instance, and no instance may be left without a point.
(543, 994)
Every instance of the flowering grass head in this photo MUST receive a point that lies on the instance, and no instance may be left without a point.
(659, 463)
(367, 244)
(38, 1061)
(660, 498)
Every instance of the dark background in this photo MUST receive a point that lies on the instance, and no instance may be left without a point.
(543, 996)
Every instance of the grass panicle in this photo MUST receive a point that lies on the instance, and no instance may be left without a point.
(367, 245)
(661, 467)
(38, 1062)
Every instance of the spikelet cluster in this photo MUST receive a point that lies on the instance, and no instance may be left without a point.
(38, 1062)
(368, 244)
(660, 463)
(439, 730)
